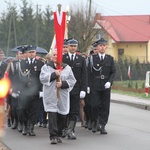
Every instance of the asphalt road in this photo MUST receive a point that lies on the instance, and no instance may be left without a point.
(128, 129)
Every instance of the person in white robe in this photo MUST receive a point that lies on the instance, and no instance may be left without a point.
(56, 95)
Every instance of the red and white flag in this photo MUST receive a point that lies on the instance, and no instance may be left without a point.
(129, 73)
(59, 26)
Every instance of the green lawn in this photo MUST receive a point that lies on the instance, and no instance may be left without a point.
(131, 83)
(130, 88)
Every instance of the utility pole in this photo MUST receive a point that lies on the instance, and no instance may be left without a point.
(37, 24)
(9, 33)
(9, 29)
(88, 21)
(12, 20)
(90, 3)
(14, 24)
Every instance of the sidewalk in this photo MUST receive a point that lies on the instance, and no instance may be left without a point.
(131, 100)
(3, 146)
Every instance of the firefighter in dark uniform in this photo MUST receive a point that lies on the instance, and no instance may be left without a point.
(29, 71)
(65, 47)
(87, 107)
(15, 87)
(102, 73)
(78, 65)
(13, 72)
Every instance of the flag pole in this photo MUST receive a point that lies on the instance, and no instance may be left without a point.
(58, 63)
(53, 44)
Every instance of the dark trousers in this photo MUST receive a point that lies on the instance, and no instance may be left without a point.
(10, 116)
(56, 124)
(74, 107)
(41, 111)
(87, 107)
(100, 105)
(28, 108)
(14, 107)
(42, 117)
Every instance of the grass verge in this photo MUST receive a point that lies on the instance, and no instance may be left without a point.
(140, 95)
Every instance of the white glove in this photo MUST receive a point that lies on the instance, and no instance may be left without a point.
(40, 94)
(15, 95)
(107, 85)
(82, 94)
(88, 90)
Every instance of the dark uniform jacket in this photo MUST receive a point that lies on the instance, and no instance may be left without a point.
(29, 75)
(100, 72)
(79, 71)
(3, 67)
(14, 76)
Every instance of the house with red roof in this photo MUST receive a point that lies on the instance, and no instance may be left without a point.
(128, 36)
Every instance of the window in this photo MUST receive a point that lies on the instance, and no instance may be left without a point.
(120, 52)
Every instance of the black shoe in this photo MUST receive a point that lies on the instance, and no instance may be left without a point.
(15, 125)
(40, 125)
(53, 141)
(94, 126)
(71, 136)
(86, 125)
(102, 130)
(64, 133)
(8, 123)
(59, 140)
(98, 128)
(24, 131)
(89, 125)
(44, 125)
(31, 130)
(20, 127)
(32, 133)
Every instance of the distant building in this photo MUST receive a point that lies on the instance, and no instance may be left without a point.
(128, 36)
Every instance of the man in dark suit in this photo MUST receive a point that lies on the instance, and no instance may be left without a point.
(65, 47)
(78, 65)
(3, 65)
(29, 71)
(102, 72)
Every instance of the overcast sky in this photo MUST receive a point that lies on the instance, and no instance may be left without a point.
(106, 7)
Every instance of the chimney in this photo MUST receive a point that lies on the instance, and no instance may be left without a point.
(97, 17)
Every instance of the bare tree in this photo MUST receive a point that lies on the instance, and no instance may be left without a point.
(81, 24)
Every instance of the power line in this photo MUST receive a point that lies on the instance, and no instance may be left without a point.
(124, 24)
(120, 14)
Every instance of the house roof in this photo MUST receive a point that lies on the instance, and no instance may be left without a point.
(133, 28)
